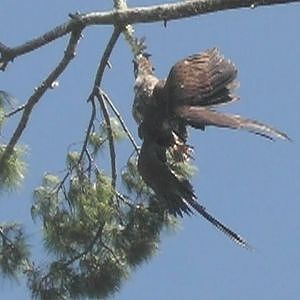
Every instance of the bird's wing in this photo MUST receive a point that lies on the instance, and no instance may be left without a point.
(177, 195)
(199, 117)
(202, 79)
(152, 166)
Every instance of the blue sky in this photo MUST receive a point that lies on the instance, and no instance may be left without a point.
(250, 183)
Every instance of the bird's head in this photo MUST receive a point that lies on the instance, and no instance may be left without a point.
(142, 65)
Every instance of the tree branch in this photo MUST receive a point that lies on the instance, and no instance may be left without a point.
(105, 57)
(173, 11)
(110, 139)
(14, 111)
(118, 115)
(39, 92)
(8, 54)
(150, 14)
(89, 129)
(97, 92)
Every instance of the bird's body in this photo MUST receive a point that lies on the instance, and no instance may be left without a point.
(164, 108)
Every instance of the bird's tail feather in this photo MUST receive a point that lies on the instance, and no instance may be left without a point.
(230, 233)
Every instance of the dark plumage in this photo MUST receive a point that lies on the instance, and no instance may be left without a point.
(163, 109)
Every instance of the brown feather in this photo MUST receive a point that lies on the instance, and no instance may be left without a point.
(199, 117)
(176, 194)
(201, 79)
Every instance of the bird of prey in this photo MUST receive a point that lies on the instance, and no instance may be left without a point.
(164, 108)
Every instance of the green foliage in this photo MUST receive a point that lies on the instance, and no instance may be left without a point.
(13, 250)
(74, 230)
(99, 138)
(12, 171)
(2, 116)
(116, 128)
(73, 159)
(132, 179)
(140, 237)
(6, 99)
(96, 140)
(94, 234)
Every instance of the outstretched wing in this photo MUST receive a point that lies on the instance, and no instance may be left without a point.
(155, 172)
(177, 195)
(199, 117)
(202, 79)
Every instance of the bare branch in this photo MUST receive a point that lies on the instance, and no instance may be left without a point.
(118, 115)
(121, 17)
(98, 93)
(105, 57)
(110, 139)
(172, 11)
(89, 129)
(8, 54)
(39, 92)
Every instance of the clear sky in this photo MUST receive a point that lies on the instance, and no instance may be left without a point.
(248, 182)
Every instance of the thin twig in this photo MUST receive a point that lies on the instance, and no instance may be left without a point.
(105, 57)
(89, 129)
(88, 248)
(110, 139)
(39, 92)
(6, 238)
(125, 200)
(97, 92)
(111, 252)
(90, 158)
(16, 110)
(119, 117)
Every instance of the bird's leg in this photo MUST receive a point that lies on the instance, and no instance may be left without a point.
(180, 151)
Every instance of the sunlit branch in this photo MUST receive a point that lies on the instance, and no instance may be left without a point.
(172, 11)
(122, 17)
(39, 92)
(125, 200)
(8, 54)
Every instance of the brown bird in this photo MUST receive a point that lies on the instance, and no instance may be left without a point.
(163, 109)
(194, 86)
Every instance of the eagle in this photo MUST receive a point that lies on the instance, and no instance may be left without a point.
(164, 108)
